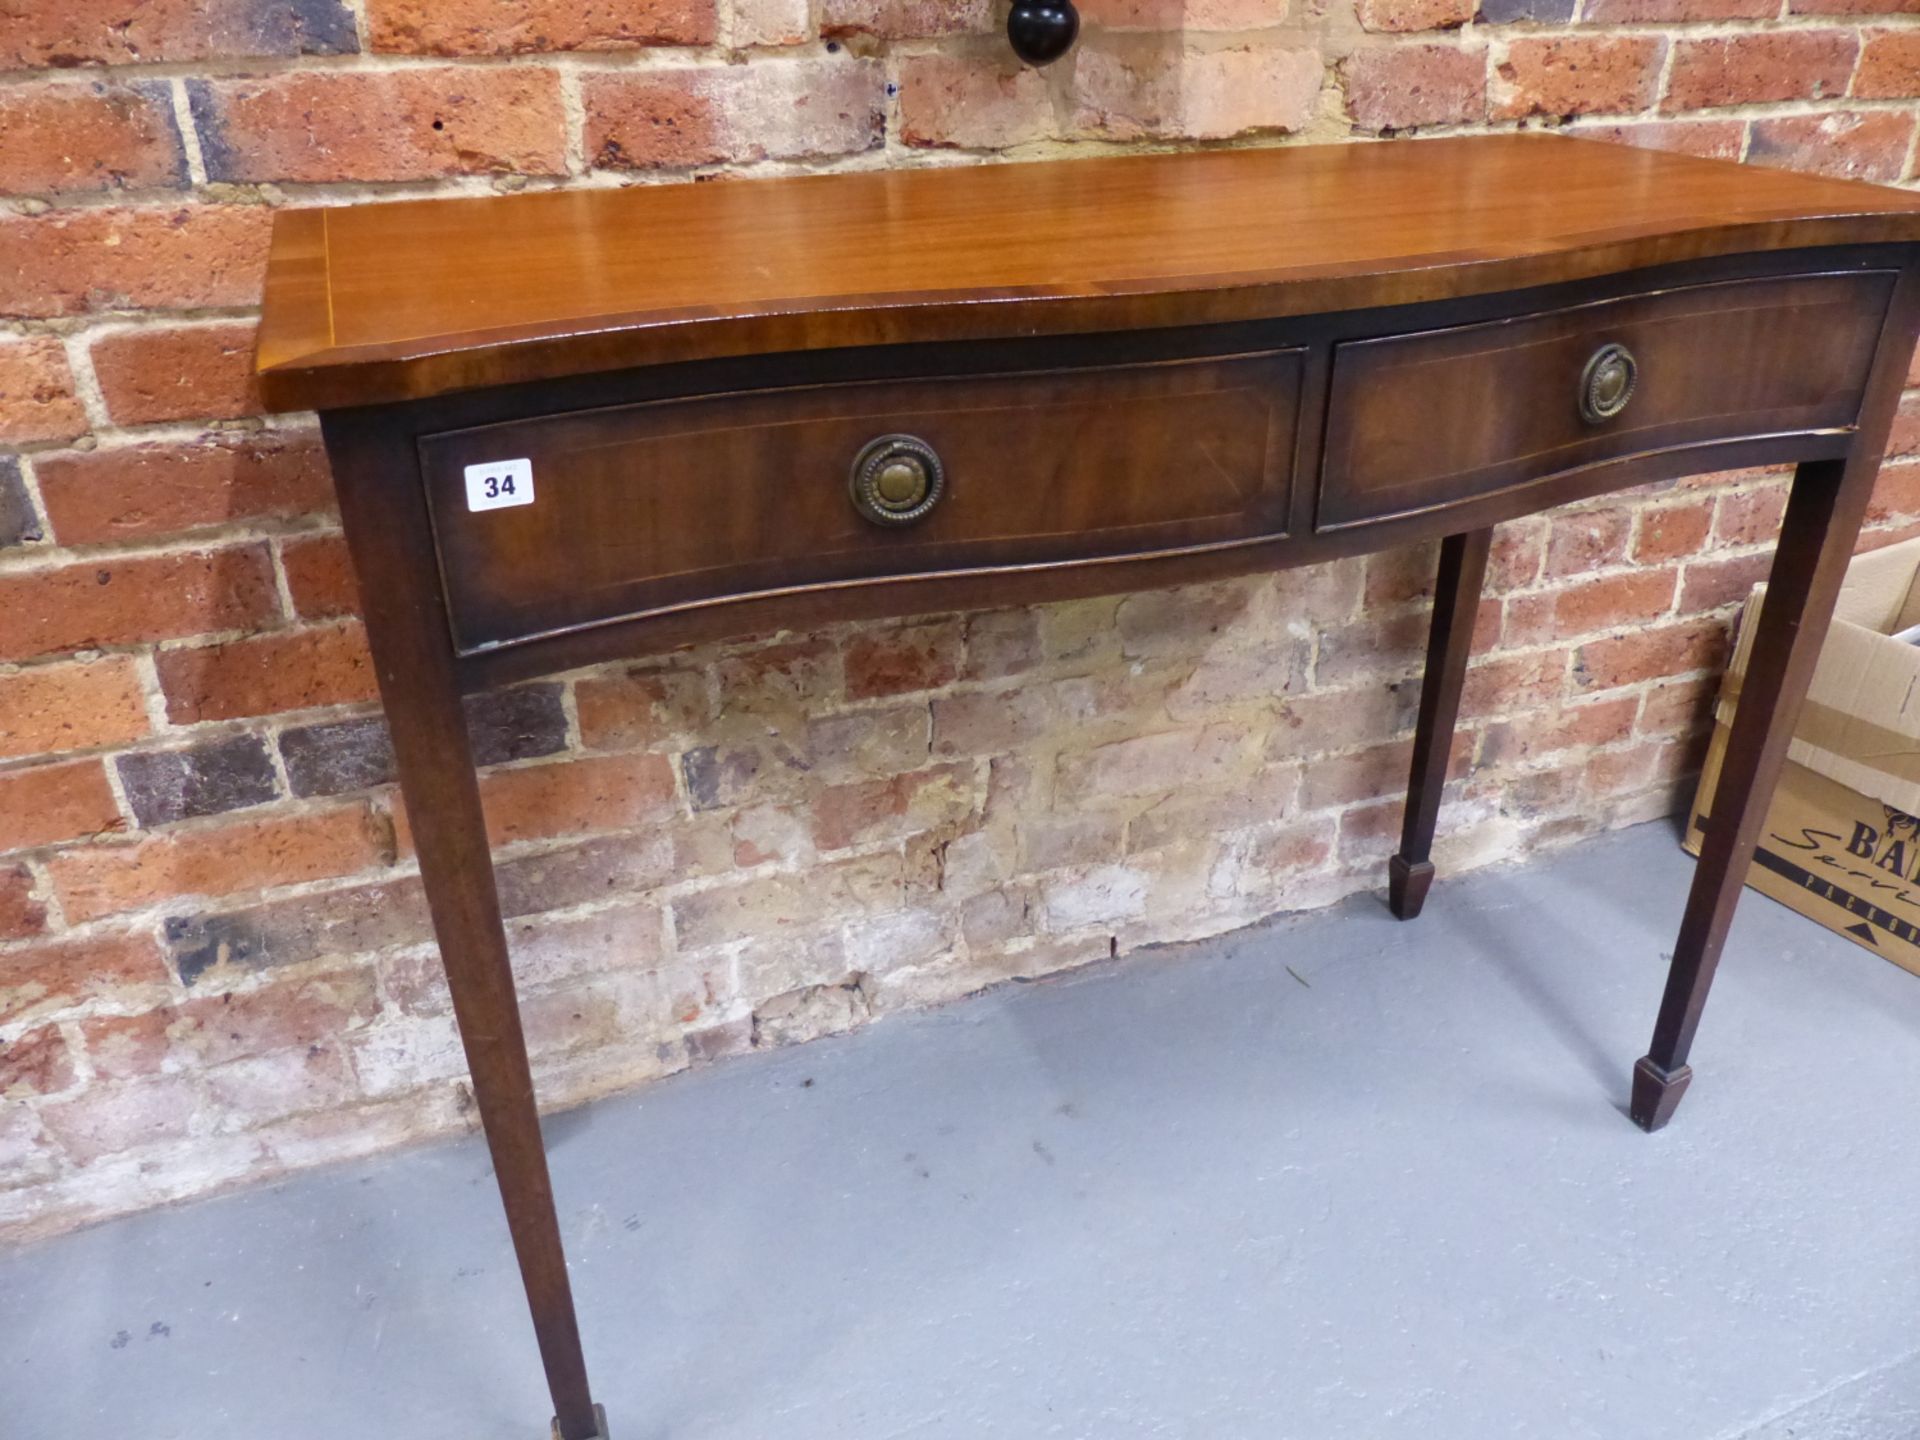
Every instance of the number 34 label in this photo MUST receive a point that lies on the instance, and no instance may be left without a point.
(496, 486)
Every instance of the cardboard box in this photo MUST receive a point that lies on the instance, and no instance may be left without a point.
(1841, 843)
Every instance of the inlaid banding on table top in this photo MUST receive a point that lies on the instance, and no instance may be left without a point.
(416, 298)
(702, 411)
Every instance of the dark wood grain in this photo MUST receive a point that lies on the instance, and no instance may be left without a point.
(1456, 606)
(648, 508)
(1817, 539)
(1418, 421)
(426, 297)
(1139, 372)
(386, 524)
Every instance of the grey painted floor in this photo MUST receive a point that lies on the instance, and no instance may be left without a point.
(1183, 1196)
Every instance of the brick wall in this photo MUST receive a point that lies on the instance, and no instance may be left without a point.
(214, 959)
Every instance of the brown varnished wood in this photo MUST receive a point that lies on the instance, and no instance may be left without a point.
(672, 503)
(534, 557)
(806, 606)
(1817, 537)
(1420, 421)
(1137, 370)
(426, 297)
(1456, 605)
(386, 524)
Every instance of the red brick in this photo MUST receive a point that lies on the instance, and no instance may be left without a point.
(1578, 75)
(1185, 14)
(268, 674)
(614, 792)
(1519, 549)
(112, 32)
(22, 915)
(199, 372)
(1370, 829)
(95, 603)
(219, 860)
(873, 810)
(62, 974)
(1402, 87)
(1126, 87)
(1853, 145)
(1751, 69)
(1501, 684)
(1589, 605)
(1587, 540)
(905, 19)
(1889, 66)
(216, 1029)
(642, 708)
(1572, 727)
(37, 400)
(1709, 139)
(134, 492)
(49, 803)
(1904, 439)
(89, 136)
(1650, 654)
(896, 660)
(665, 118)
(1403, 15)
(36, 1063)
(1853, 7)
(67, 262)
(1640, 12)
(1621, 772)
(320, 577)
(1670, 532)
(1399, 577)
(1001, 643)
(1683, 707)
(50, 708)
(1896, 494)
(414, 124)
(1751, 516)
(521, 27)
(1726, 580)
(972, 103)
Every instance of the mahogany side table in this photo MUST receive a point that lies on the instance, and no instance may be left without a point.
(578, 425)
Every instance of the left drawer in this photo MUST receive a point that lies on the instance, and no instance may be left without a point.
(550, 525)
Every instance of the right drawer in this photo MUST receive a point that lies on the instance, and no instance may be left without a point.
(1416, 422)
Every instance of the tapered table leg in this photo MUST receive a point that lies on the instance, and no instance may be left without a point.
(386, 525)
(1456, 604)
(1817, 538)
(1816, 541)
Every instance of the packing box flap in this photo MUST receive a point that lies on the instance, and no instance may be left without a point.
(1860, 725)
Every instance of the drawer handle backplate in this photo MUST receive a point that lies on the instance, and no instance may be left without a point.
(896, 480)
(1607, 383)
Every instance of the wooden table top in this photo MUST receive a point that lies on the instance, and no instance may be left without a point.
(374, 303)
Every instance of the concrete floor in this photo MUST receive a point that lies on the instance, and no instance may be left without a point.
(1186, 1195)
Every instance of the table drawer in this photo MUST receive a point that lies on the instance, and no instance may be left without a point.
(1417, 421)
(619, 513)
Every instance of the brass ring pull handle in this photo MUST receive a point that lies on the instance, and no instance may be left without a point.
(1607, 383)
(896, 480)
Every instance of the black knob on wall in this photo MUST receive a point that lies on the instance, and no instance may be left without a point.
(1041, 31)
